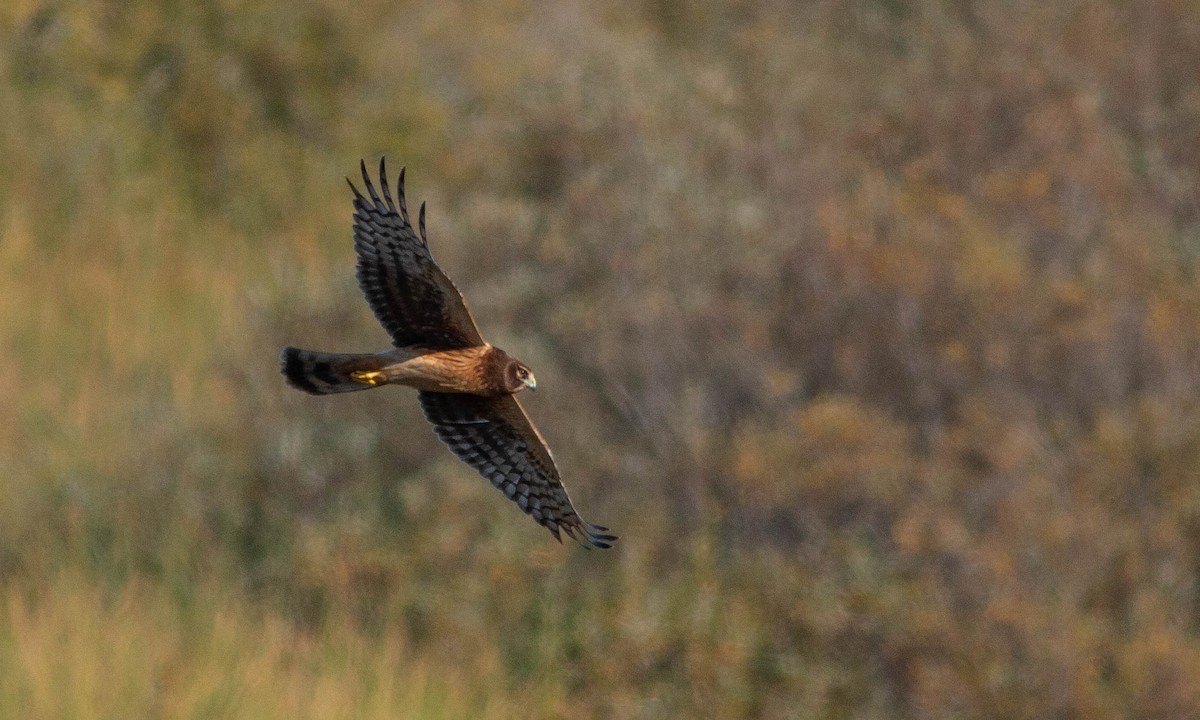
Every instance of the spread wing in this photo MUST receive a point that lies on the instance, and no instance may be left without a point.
(495, 436)
(409, 294)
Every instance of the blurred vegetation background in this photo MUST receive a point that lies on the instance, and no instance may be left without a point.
(871, 327)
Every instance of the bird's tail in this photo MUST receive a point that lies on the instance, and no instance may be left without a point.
(322, 373)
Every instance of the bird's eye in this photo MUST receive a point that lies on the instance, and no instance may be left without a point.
(523, 372)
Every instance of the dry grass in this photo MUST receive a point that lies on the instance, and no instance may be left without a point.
(78, 651)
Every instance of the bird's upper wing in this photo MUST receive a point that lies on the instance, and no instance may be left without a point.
(409, 294)
(495, 436)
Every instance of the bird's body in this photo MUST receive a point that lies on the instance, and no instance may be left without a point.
(478, 370)
(466, 386)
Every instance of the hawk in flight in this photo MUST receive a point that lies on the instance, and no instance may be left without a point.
(466, 386)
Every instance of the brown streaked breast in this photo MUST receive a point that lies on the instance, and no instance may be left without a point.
(454, 371)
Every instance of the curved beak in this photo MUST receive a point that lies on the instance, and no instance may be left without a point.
(531, 382)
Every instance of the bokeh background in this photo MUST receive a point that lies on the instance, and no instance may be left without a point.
(872, 327)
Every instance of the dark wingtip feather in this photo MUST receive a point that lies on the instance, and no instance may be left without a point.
(400, 195)
(421, 223)
(599, 537)
(357, 194)
(589, 538)
(383, 184)
(370, 185)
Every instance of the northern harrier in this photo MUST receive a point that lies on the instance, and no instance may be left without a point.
(466, 386)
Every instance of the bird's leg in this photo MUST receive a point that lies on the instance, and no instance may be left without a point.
(372, 377)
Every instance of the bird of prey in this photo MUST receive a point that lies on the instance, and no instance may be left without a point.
(465, 385)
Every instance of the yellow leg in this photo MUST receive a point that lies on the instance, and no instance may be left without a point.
(373, 377)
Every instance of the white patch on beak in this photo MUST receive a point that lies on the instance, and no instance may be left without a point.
(531, 382)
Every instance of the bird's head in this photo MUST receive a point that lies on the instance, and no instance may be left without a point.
(517, 377)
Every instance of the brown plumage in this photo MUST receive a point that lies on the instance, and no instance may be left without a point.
(466, 386)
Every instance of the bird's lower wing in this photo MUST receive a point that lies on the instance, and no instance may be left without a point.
(496, 437)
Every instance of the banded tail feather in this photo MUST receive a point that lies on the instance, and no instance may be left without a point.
(322, 373)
